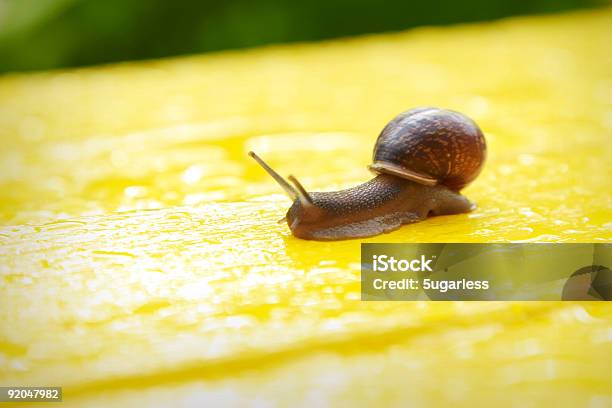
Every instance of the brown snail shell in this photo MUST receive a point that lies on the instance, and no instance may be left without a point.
(431, 146)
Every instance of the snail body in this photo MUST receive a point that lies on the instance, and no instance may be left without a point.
(421, 159)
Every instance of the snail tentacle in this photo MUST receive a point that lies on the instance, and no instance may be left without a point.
(288, 188)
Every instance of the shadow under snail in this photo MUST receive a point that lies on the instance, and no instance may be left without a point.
(422, 159)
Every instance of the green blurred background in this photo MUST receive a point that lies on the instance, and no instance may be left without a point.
(45, 34)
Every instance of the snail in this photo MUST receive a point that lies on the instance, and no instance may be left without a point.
(422, 159)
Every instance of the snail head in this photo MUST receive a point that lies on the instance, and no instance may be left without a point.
(303, 210)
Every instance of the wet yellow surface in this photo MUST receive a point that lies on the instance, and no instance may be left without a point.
(141, 263)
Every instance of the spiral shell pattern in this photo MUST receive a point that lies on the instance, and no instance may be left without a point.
(431, 146)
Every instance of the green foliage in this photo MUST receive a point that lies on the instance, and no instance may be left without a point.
(44, 34)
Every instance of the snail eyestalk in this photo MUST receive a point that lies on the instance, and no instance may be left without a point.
(303, 195)
(291, 192)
